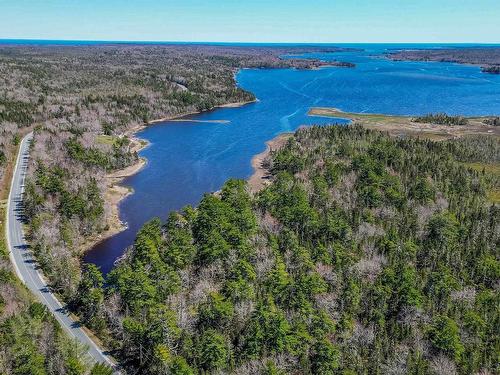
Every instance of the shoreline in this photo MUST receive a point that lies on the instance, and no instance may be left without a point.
(260, 177)
(182, 115)
(396, 125)
(116, 193)
(478, 56)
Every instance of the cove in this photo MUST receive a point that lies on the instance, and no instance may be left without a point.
(188, 159)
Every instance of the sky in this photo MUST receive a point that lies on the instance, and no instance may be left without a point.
(307, 21)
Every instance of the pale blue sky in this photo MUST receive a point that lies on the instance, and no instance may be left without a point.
(332, 21)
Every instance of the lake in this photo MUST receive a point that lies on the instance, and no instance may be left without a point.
(188, 159)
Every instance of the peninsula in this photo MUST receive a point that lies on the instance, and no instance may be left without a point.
(488, 58)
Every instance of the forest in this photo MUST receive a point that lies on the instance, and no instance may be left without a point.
(31, 341)
(441, 119)
(491, 69)
(83, 103)
(488, 58)
(366, 254)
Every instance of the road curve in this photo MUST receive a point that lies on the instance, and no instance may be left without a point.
(24, 264)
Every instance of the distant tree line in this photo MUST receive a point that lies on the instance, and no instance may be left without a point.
(493, 121)
(488, 58)
(441, 119)
(491, 69)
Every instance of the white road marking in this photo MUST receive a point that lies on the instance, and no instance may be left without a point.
(24, 264)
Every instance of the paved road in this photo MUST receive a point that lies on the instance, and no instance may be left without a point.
(24, 264)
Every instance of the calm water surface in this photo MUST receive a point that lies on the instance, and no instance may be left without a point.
(188, 159)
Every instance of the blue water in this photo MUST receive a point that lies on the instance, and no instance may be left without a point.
(187, 159)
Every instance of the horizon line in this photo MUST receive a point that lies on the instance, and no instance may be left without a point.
(124, 41)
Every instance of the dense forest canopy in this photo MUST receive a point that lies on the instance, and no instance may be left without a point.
(441, 119)
(82, 103)
(367, 254)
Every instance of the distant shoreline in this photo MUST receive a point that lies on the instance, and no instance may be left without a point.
(487, 57)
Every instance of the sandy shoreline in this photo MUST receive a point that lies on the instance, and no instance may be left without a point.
(115, 192)
(260, 177)
(180, 116)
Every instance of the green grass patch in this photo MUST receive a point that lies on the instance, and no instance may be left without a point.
(106, 139)
(494, 196)
(493, 169)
